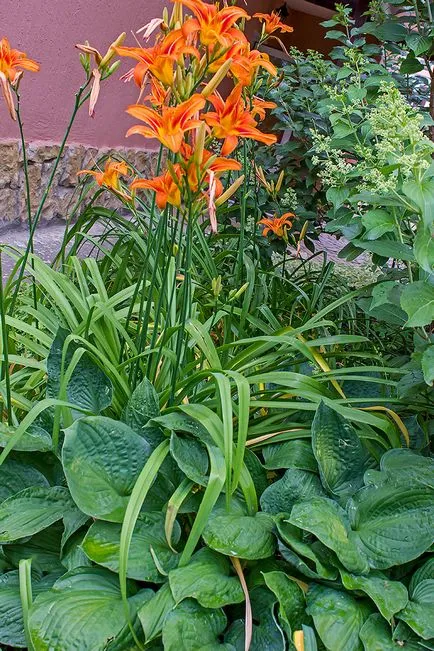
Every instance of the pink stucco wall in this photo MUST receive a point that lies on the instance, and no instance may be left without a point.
(47, 31)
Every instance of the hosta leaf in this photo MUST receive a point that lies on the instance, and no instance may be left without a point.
(153, 613)
(102, 459)
(295, 485)
(35, 439)
(246, 537)
(148, 545)
(291, 600)
(89, 387)
(418, 613)
(376, 635)
(209, 579)
(73, 555)
(32, 510)
(72, 521)
(338, 617)
(329, 523)
(291, 454)
(393, 523)
(191, 457)
(15, 476)
(142, 406)
(11, 614)
(399, 466)
(341, 458)
(418, 301)
(191, 627)
(43, 548)
(389, 596)
(83, 610)
(267, 633)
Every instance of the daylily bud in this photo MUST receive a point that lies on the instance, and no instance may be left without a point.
(217, 79)
(88, 49)
(236, 293)
(175, 250)
(230, 191)
(112, 69)
(216, 286)
(200, 143)
(85, 62)
(111, 52)
(280, 180)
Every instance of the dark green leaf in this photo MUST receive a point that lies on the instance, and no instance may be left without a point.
(191, 457)
(14, 476)
(102, 459)
(294, 486)
(191, 627)
(377, 223)
(148, 546)
(328, 522)
(292, 454)
(418, 301)
(242, 536)
(208, 578)
(338, 617)
(142, 406)
(266, 634)
(89, 387)
(32, 510)
(341, 458)
(389, 596)
(83, 610)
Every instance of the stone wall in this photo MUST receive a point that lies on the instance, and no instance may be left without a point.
(41, 158)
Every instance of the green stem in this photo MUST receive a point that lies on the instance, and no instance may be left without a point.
(5, 345)
(79, 101)
(27, 184)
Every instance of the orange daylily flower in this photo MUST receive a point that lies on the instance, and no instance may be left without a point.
(11, 61)
(214, 25)
(247, 61)
(12, 64)
(158, 95)
(166, 189)
(260, 106)
(159, 59)
(210, 165)
(277, 225)
(170, 125)
(272, 23)
(232, 121)
(110, 177)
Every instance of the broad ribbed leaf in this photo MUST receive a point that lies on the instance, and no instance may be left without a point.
(329, 523)
(295, 485)
(102, 459)
(242, 536)
(393, 523)
(89, 387)
(153, 613)
(418, 301)
(291, 454)
(35, 439)
(83, 611)
(267, 633)
(190, 627)
(142, 406)
(11, 614)
(32, 510)
(191, 457)
(376, 635)
(209, 578)
(389, 596)
(419, 612)
(15, 476)
(338, 617)
(341, 458)
(291, 600)
(148, 546)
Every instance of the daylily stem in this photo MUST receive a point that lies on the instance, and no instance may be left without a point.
(79, 101)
